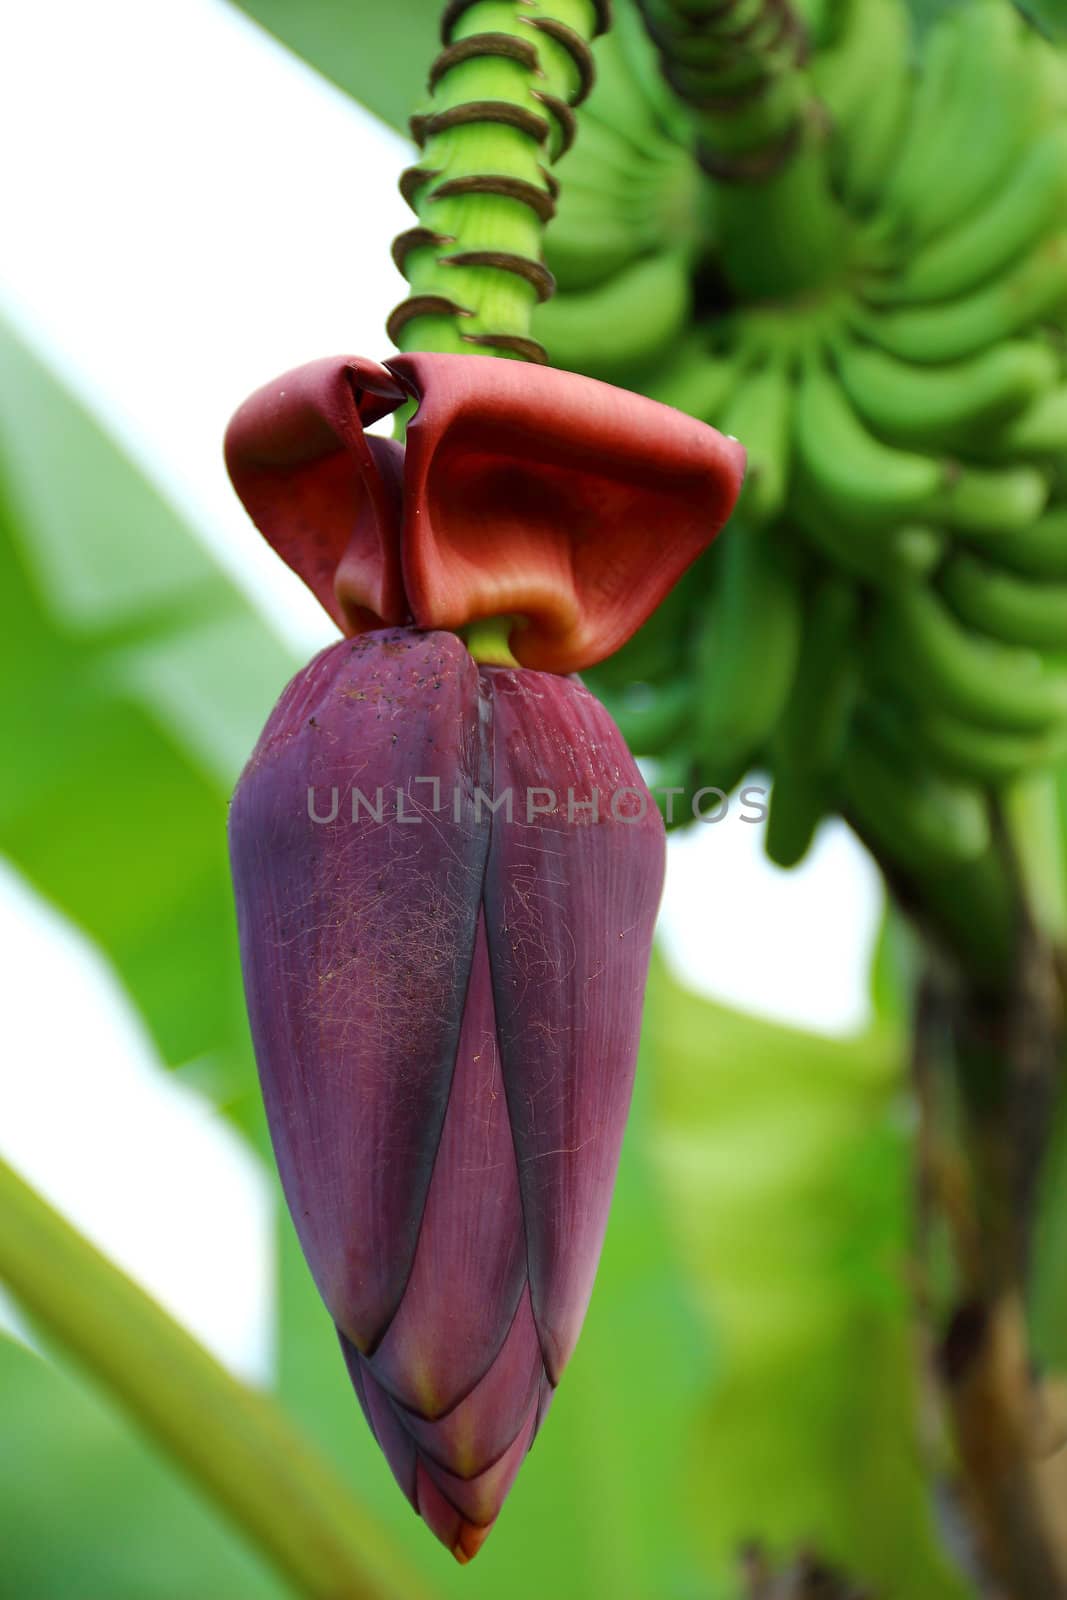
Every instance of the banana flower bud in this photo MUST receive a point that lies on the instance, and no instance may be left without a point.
(447, 872)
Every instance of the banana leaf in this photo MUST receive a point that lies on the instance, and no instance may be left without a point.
(379, 54)
(90, 1509)
(785, 1163)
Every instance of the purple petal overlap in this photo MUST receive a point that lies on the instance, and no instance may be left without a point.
(485, 1422)
(357, 936)
(470, 1264)
(571, 899)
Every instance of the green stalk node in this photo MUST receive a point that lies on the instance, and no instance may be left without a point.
(502, 96)
(488, 640)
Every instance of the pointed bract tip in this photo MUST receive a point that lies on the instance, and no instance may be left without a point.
(462, 1538)
(470, 1542)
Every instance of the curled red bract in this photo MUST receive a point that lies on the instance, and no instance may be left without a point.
(523, 491)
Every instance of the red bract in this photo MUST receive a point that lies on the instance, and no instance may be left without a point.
(523, 491)
(447, 875)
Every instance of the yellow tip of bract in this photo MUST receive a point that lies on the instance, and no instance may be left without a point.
(470, 1541)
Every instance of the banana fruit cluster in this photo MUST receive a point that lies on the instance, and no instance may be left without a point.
(884, 624)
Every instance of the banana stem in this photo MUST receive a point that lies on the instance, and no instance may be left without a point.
(1033, 817)
(988, 1069)
(237, 1444)
(966, 912)
(760, 134)
(489, 640)
(502, 96)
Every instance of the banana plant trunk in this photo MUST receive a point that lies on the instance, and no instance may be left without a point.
(988, 1064)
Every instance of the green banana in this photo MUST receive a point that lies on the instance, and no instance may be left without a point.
(855, 474)
(1026, 208)
(745, 651)
(697, 381)
(984, 755)
(943, 405)
(933, 90)
(1040, 551)
(799, 801)
(621, 136)
(625, 324)
(875, 139)
(604, 221)
(1034, 288)
(651, 719)
(657, 654)
(813, 727)
(588, 244)
(919, 647)
(603, 158)
(919, 819)
(625, 94)
(865, 82)
(899, 555)
(1005, 606)
(982, 124)
(760, 415)
(637, 54)
(677, 770)
(847, 72)
(991, 502)
(811, 734)
(824, 22)
(626, 185)
(1041, 430)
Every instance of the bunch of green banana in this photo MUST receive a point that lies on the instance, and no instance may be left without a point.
(863, 78)
(812, 733)
(625, 234)
(884, 625)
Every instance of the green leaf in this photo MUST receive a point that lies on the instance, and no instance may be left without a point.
(379, 57)
(88, 1508)
(134, 680)
(234, 1440)
(786, 1161)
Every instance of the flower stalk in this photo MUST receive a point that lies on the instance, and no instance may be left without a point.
(502, 93)
(987, 1073)
(237, 1445)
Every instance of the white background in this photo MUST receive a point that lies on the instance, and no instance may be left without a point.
(189, 211)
